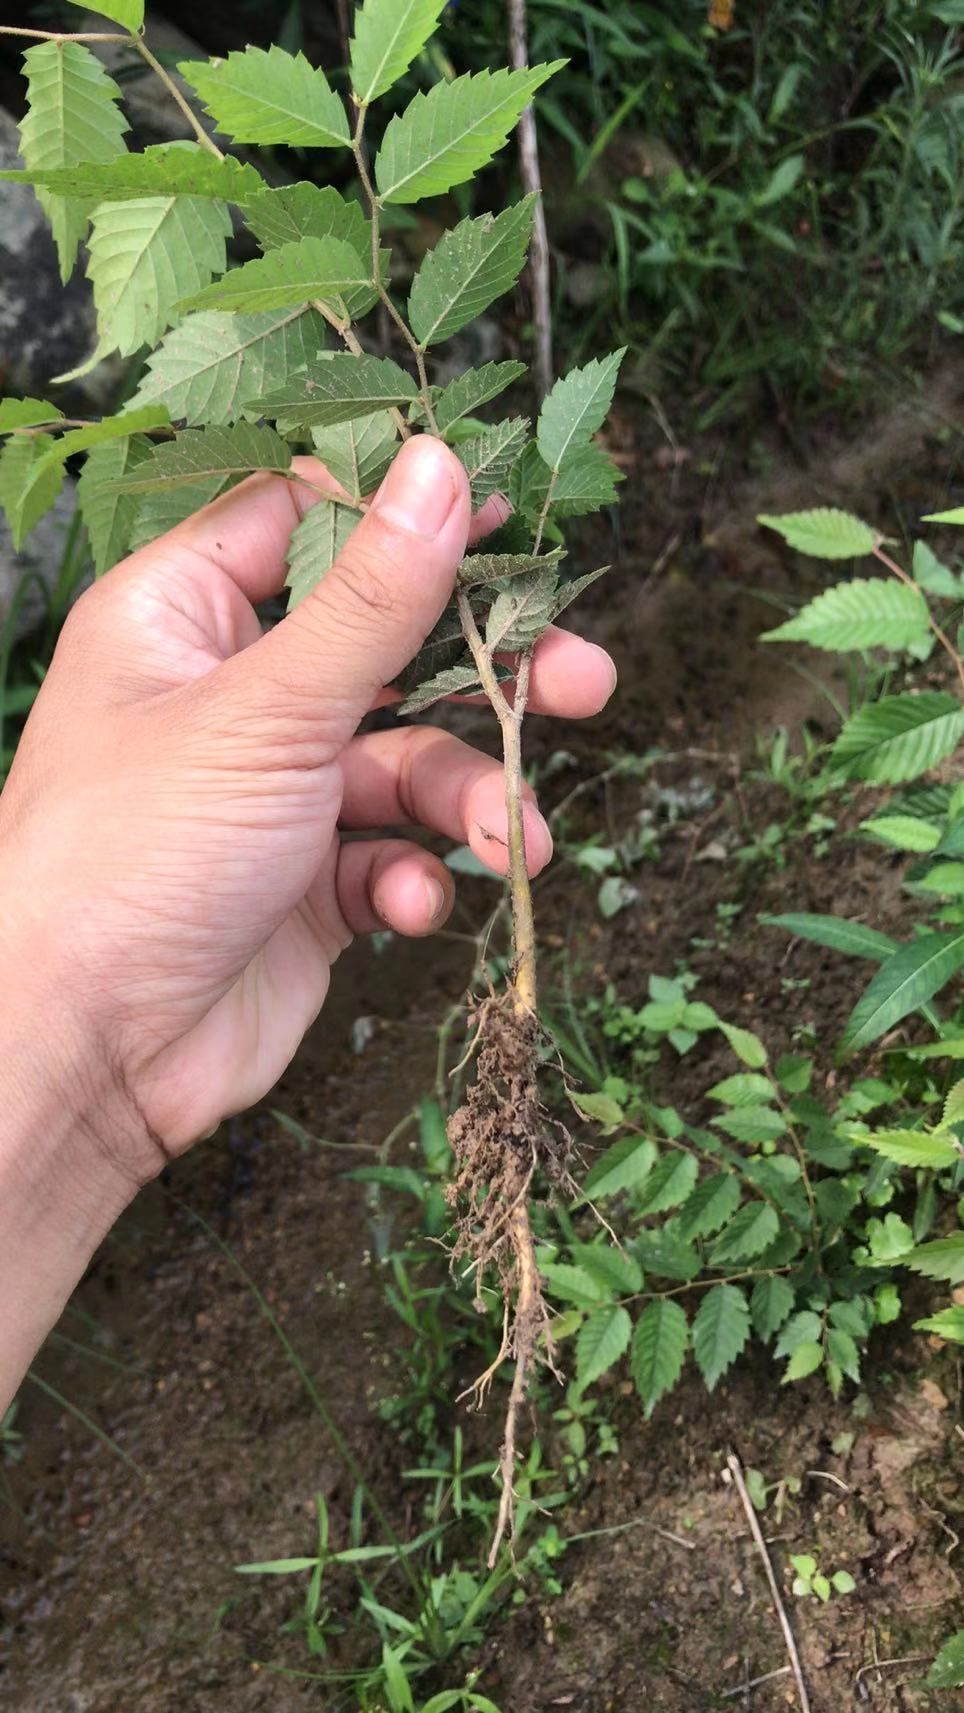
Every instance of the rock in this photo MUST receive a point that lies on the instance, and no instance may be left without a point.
(45, 328)
(42, 554)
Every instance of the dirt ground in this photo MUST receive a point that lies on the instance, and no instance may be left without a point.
(117, 1581)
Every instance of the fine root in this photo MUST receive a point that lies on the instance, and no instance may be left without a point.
(499, 1138)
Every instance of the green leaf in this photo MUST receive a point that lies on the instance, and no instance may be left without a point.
(26, 413)
(659, 1350)
(720, 1331)
(130, 13)
(358, 453)
(147, 255)
(622, 1167)
(806, 1359)
(445, 136)
(747, 1046)
(948, 1324)
(465, 395)
(572, 1284)
(890, 1238)
(662, 1252)
(912, 1147)
(947, 1672)
(911, 976)
(745, 1088)
(945, 878)
(899, 737)
(109, 516)
(303, 210)
(824, 533)
(326, 268)
(903, 832)
(389, 34)
(954, 1105)
(600, 1108)
(710, 1205)
(206, 367)
(400, 1698)
(315, 545)
(749, 1232)
(842, 1350)
(751, 1124)
(771, 1303)
(586, 483)
(337, 390)
(269, 96)
(670, 1183)
(468, 269)
(109, 428)
(167, 169)
(200, 454)
(955, 515)
(612, 1267)
(867, 613)
(29, 484)
(575, 408)
(854, 938)
(72, 115)
(941, 1259)
(522, 611)
(453, 681)
(931, 575)
(497, 568)
(603, 1338)
(803, 1328)
(488, 458)
(162, 511)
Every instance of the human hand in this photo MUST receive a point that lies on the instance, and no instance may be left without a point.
(174, 888)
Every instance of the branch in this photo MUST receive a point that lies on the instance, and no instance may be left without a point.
(63, 35)
(200, 133)
(532, 183)
(733, 1465)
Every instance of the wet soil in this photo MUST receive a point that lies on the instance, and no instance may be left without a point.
(118, 1584)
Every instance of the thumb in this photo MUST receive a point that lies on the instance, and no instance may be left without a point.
(369, 615)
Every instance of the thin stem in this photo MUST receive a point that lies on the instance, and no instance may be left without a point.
(940, 634)
(539, 261)
(63, 35)
(544, 514)
(374, 210)
(357, 349)
(205, 141)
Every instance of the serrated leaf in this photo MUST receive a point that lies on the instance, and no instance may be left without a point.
(358, 453)
(162, 511)
(575, 408)
(496, 568)
(614, 1268)
(204, 369)
(747, 1046)
(910, 976)
(899, 737)
(602, 1340)
(166, 169)
(72, 115)
(522, 611)
(751, 1124)
(947, 1324)
(931, 575)
(912, 1148)
(824, 533)
(941, 1259)
(26, 413)
(202, 454)
(568, 592)
(668, 1184)
(802, 1328)
(469, 392)
(745, 1088)
(315, 545)
(720, 1330)
(954, 1105)
(327, 268)
(621, 1167)
(488, 458)
(586, 483)
(451, 682)
(130, 13)
(388, 36)
(771, 1303)
(145, 256)
(109, 516)
(747, 1235)
(29, 484)
(444, 646)
(472, 265)
(842, 1350)
(659, 1350)
(806, 1359)
(835, 932)
(447, 135)
(867, 613)
(903, 832)
(337, 390)
(710, 1205)
(572, 1284)
(109, 428)
(269, 96)
(947, 1672)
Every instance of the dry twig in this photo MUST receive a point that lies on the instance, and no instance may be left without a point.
(736, 1471)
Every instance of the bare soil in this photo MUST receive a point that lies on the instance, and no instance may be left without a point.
(118, 1583)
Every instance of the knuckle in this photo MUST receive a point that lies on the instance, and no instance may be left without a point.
(362, 582)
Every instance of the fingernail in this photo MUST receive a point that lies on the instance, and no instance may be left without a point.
(435, 895)
(419, 491)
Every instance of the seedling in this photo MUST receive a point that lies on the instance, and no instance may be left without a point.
(811, 1583)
